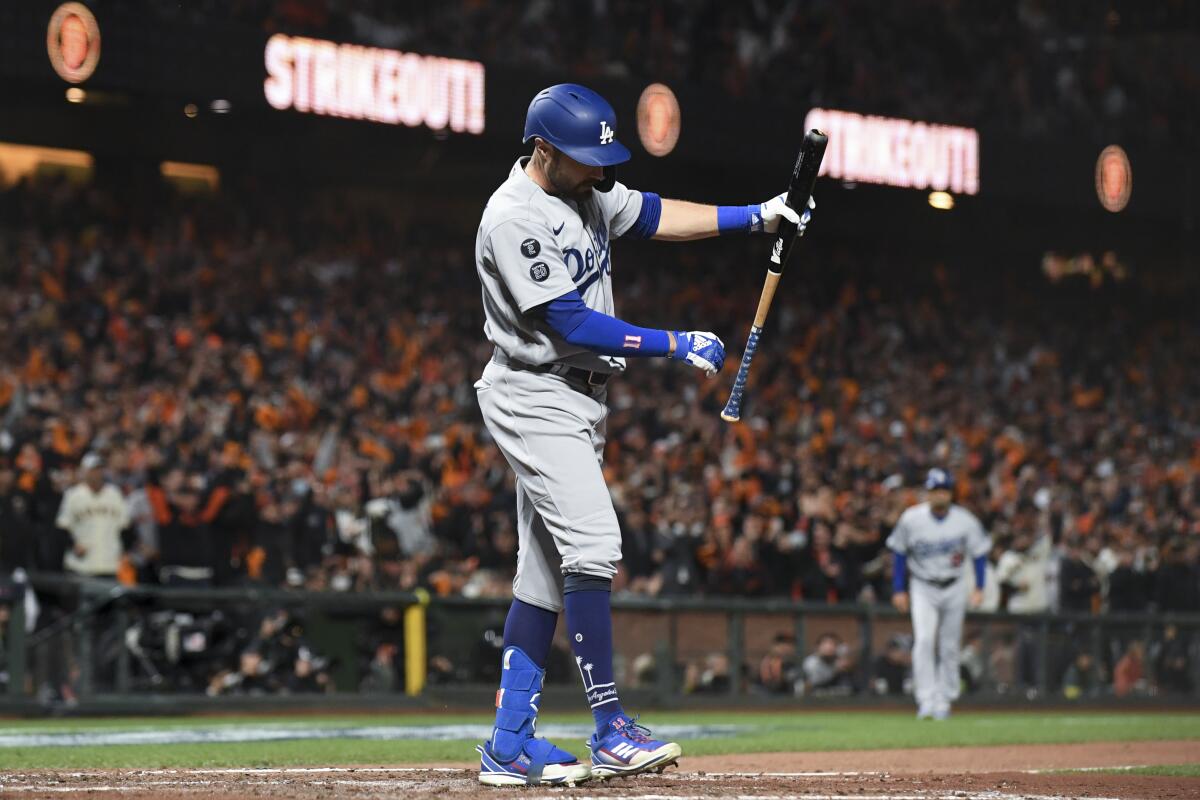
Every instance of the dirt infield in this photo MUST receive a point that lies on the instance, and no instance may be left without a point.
(957, 760)
(995, 773)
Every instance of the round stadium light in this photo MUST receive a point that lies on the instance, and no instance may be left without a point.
(658, 119)
(73, 42)
(942, 201)
(1114, 178)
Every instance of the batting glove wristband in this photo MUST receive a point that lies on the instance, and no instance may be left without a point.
(704, 350)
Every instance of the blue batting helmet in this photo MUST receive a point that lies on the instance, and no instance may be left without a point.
(578, 122)
(938, 479)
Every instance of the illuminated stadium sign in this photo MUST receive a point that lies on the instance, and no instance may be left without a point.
(898, 152)
(344, 80)
(73, 42)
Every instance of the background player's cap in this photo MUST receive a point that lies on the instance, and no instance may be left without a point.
(938, 479)
(577, 121)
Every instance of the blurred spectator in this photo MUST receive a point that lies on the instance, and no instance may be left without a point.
(94, 513)
(741, 571)
(1172, 668)
(1177, 581)
(1128, 587)
(1021, 573)
(17, 529)
(893, 668)
(1078, 585)
(1003, 663)
(253, 675)
(828, 670)
(274, 659)
(778, 672)
(308, 674)
(382, 673)
(709, 675)
(405, 511)
(1082, 678)
(1129, 674)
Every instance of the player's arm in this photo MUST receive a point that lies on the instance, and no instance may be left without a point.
(981, 544)
(644, 215)
(900, 580)
(898, 544)
(681, 221)
(578, 325)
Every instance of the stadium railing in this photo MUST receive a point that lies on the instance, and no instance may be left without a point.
(100, 646)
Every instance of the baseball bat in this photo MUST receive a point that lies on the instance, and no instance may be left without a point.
(804, 177)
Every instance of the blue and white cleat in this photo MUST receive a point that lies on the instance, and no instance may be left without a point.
(514, 756)
(538, 764)
(627, 749)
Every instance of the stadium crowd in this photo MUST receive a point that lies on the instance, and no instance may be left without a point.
(264, 388)
(1118, 70)
(195, 390)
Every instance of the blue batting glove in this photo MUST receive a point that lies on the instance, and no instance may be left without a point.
(704, 350)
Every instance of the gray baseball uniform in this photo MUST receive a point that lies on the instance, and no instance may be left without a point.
(531, 248)
(936, 551)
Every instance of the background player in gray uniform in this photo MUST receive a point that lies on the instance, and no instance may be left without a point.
(931, 542)
(544, 260)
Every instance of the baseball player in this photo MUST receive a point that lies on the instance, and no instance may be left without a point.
(544, 257)
(932, 541)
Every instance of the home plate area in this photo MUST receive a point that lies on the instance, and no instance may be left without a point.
(413, 783)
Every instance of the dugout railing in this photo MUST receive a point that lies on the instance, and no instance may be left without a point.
(99, 646)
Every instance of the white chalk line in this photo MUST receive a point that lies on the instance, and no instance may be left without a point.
(957, 795)
(1060, 770)
(255, 771)
(145, 785)
(401, 784)
(817, 774)
(441, 771)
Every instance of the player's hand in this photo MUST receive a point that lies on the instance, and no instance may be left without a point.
(976, 598)
(900, 601)
(704, 350)
(776, 209)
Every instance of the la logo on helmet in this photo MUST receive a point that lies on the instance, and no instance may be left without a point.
(606, 133)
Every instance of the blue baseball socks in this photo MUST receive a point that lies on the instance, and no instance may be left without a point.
(589, 623)
(531, 629)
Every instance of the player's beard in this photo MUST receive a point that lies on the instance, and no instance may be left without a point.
(579, 191)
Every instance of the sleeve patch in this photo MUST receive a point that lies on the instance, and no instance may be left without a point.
(530, 248)
(538, 270)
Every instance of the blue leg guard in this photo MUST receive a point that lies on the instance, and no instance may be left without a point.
(516, 704)
(514, 754)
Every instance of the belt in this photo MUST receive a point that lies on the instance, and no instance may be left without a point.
(592, 379)
(948, 582)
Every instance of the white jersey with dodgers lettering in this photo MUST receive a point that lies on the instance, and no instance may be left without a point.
(937, 548)
(533, 247)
